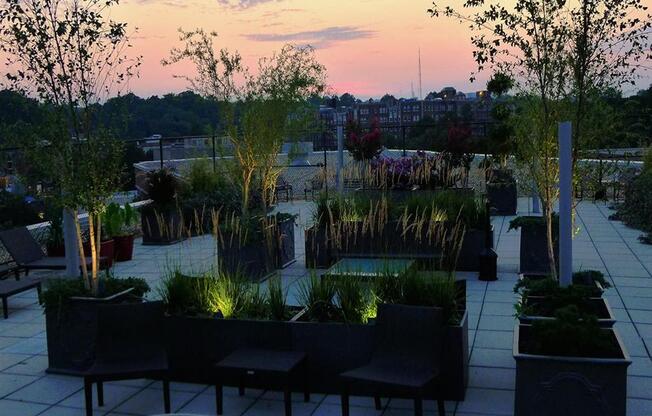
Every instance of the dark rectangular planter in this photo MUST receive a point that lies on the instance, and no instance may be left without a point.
(502, 197)
(472, 246)
(391, 241)
(553, 385)
(596, 306)
(318, 251)
(534, 250)
(71, 334)
(254, 259)
(286, 252)
(195, 344)
(168, 231)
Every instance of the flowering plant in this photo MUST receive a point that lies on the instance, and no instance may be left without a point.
(363, 145)
(421, 170)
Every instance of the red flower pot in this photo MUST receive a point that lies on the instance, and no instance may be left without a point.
(107, 250)
(124, 247)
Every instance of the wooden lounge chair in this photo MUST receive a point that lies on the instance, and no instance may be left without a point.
(407, 358)
(28, 254)
(129, 346)
(13, 287)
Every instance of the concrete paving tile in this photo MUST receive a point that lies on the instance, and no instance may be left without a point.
(488, 357)
(48, 389)
(9, 383)
(638, 407)
(494, 339)
(114, 395)
(7, 360)
(328, 409)
(275, 407)
(70, 411)
(14, 408)
(150, 401)
(486, 401)
(639, 387)
(492, 378)
(34, 366)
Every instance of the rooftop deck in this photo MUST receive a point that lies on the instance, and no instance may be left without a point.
(609, 246)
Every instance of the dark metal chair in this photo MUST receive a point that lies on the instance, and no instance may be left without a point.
(407, 358)
(282, 186)
(28, 254)
(129, 346)
(13, 287)
(313, 187)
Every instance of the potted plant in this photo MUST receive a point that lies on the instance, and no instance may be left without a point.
(161, 221)
(71, 318)
(119, 223)
(569, 365)
(533, 254)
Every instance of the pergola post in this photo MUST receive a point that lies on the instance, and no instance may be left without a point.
(565, 204)
(70, 243)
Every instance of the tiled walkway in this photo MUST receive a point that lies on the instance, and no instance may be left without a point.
(601, 244)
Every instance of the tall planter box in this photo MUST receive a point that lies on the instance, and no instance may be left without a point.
(161, 228)
(318, 251)
(503, 197)
(254, 259)
(124, 247)
(579, 386)
(285, 249)
(472, 245)
(72, 334)
(534, 249)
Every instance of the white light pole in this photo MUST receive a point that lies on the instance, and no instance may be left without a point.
(340, 152)
(70, 243)
(565, 204)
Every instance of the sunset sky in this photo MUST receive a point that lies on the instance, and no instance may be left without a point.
(369, 47)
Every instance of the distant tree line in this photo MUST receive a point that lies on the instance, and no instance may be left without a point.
(187, 114)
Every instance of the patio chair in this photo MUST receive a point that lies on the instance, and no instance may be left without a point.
(407, 357)
(28, 254)
(313, 187)
(282, 186)
(10, 287)
(129, 346)
(7, 269)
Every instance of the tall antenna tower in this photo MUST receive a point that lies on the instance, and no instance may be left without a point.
(420, 90)
(412, 89)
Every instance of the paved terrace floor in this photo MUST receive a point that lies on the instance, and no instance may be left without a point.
(26, 390)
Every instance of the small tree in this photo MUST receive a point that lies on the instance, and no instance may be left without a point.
(363, 145)
(501, 134)
(265, 101)
(70, 55)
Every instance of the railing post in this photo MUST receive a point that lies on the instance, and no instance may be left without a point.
(214, 161)
(403, 134)
(160, 149)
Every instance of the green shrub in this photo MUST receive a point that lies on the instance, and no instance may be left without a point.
(432, 289)
(317, 295)
(277, 300)
(636, 211)
(571, 334)
(356, 300)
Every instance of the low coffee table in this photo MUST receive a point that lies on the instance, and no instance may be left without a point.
(251, 365)
(368, 268)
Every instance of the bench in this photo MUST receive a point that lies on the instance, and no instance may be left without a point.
(13, 287)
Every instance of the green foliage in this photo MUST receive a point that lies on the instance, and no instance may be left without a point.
(230, 296)
(118, 221)
(432, 289)
(647, 161)
(200, 177)
(533, 221)
(571, 334)
(317, 295)
(277, 300)
(356, 300)
(636, 211)
(184, 294)
(58, 292)
(162, 188)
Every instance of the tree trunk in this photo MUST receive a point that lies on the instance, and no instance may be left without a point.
(92, 241)
(82, 255)
(550, 240)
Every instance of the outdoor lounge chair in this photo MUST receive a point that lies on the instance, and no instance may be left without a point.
(406, 360)
(282, 186)
(129, 346)
(313, 187)
(7, 269)
(28, 254)
(13, 287)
